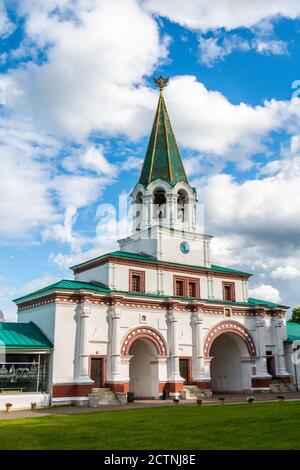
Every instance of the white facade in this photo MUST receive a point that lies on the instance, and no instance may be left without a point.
(157, 316)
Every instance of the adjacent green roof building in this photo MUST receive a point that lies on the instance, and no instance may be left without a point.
(22, 336)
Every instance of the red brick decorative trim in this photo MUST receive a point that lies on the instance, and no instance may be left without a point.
(147, 333)
(285, 379)
(158, 265)
(162, 386)
(119, 387)
(175, 387)
(203, 384)
(229, 327)
(71, 390)
(261, 382)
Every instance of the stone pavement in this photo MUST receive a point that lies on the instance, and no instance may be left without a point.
(214, 400)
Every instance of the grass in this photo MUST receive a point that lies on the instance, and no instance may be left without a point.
(249, 426)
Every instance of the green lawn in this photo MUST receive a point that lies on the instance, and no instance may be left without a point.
(249, 426)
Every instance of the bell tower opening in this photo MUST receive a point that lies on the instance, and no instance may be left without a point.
(159, 201)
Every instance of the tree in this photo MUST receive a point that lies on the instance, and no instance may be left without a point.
(296, 315)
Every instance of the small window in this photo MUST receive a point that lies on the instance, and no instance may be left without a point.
(136, 281)
(193, 288)
(228, 291)
(179, 287)
(227, 312)
(143, 319)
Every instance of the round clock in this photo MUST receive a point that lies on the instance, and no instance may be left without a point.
(184, 247)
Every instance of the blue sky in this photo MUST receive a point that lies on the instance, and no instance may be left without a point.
(77, 104)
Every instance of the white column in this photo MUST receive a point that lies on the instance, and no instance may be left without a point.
(148, 211)
(172, 320)
(171, 209)
(83, 372)
(210, 287)
(198, 360)
(115, 316)
(280, 363)
(261, 361)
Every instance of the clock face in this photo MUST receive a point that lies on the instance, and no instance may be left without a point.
(185, 247)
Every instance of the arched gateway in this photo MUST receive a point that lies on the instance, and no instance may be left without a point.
(147, 351)
(232, 352)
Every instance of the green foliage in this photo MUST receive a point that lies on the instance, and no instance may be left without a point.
(296, 315)
(259, 426)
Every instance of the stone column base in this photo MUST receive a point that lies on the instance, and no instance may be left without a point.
(203, 384)
(286, 379)
(261, 383)
(119, 387)
(71, 390)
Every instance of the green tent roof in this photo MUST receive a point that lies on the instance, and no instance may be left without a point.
(293, 331)
(22, 336)
(162, 159)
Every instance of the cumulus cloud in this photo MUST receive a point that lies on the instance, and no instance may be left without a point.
(229, 14)
(97, 58)
(206, 121)
(6, 26)
(265, 292)
(216, 48)
(287, 272)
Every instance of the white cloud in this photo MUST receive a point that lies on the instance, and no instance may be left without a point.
(97, 58)
(36, 284)
(6, 26)
(265, 292)
(229, 14)
(216, 48)
(93, 159)
(287, 272)
(24, 199)
(206, 121)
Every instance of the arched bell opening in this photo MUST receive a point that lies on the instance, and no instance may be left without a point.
(182, 206)
(159, 202)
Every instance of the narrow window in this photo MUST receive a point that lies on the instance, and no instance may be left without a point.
(192, 289)
(179, 288)
(136, 281)
(228, 291)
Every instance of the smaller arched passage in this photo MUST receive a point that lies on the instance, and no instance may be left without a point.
(147, 333)
(147, 351)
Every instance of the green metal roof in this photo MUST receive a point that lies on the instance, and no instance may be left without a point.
(265, 303)
(65, 284)
(152, 259)
(95, 287)
(162, 159)
(293, 331)
(22, 336)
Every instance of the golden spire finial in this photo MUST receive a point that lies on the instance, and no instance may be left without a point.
(161, 82)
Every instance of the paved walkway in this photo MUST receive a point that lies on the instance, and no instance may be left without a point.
(214, 400)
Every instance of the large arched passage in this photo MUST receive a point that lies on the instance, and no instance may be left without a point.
(230, 368)
(143, 369)
(147, 350)
(232, 351)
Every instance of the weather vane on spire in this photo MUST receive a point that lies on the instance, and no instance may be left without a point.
(161, 82)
